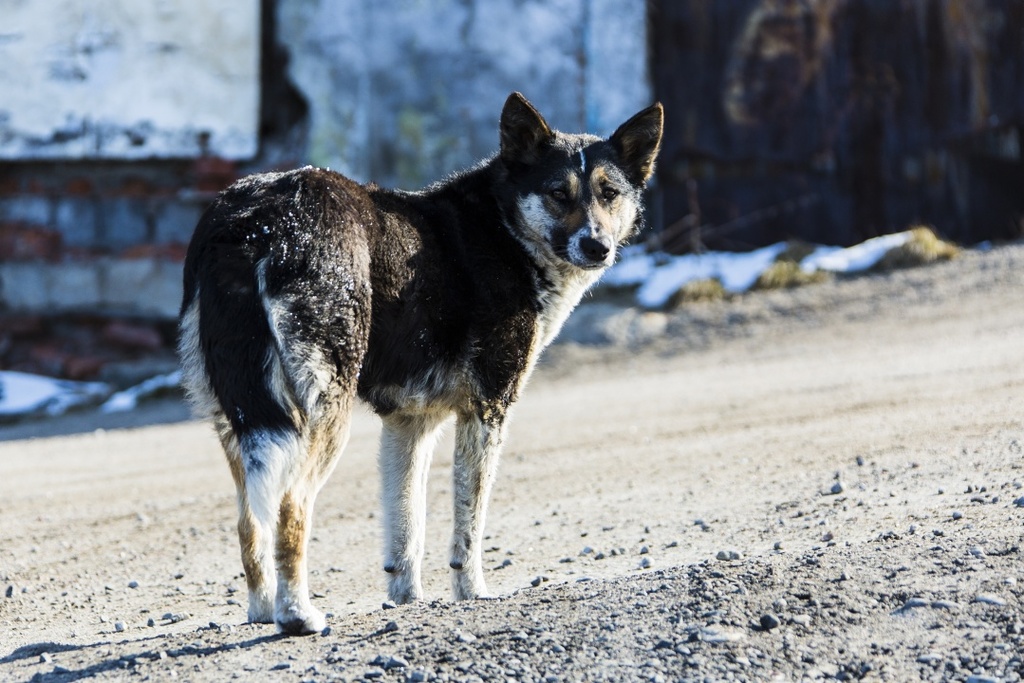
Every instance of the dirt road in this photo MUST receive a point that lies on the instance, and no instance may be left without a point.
(851, 451)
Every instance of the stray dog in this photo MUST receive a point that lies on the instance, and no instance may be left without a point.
(305, 290)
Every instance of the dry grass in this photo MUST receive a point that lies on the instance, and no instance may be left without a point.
(786, 275)
(695, 291)
(922, 248)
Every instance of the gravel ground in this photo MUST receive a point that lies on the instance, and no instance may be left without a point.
(822, 483)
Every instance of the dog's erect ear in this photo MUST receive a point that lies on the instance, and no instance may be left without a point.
(637, 141)
(523, 131)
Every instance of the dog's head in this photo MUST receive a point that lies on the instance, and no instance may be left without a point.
(576, 197)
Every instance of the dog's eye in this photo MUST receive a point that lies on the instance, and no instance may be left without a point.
(559, 194)
(609, 193)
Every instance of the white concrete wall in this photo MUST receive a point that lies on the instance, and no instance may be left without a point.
(128, 79)
(405, 91)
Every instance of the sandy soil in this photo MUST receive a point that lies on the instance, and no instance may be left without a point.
(817, 483)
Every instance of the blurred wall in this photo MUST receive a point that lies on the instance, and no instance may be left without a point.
(120, 120)
(122, 79)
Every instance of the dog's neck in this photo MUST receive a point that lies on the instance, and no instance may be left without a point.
(559, 291)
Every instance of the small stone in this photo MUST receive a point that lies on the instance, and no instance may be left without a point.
(982, 679)
(957, 514)
(988, 599)
(769, 621)
(417, 677)
(9, 593)
(587, 550)
(777, 545)
(801, 620)
(395, 663)
(644, 550)
(860, 461)
(374, 674)
(948, 605)
(378, 661)
(837, 488)
(387, 604)
(281, 666)
(664, 645)
(1019, 502)
(536, 581)
(780, 605)
(45, 658)
(726, 555)
(645, 563)
(913, 603)
(977, 551)
(119, 626)
(464, 637)
(150, 622)
(390, 627)
(133, 584)
(325, 632)
(929, 658)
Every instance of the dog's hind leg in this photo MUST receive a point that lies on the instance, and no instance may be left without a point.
(477, 447)
(407, 444)
(326, 438)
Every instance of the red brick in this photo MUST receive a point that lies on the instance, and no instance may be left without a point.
(83, 367)
(132, 336)
(81, 187)
(25, 242)
(213, 174)
(174, 252)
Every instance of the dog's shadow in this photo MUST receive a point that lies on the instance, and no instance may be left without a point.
(122, 659)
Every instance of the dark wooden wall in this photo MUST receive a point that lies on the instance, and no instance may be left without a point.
(837, 120)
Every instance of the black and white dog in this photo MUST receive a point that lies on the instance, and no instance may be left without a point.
(304, 290)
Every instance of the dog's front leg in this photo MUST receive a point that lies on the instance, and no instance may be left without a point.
(477, 447)
(407, 444)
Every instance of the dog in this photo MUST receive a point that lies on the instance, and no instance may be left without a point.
(304, 291)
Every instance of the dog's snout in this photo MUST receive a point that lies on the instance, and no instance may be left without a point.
(595, 248)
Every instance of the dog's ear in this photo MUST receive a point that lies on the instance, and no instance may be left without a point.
(637, 142)
(523, 131)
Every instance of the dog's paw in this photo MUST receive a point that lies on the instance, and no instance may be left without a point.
(299, 620)
(261, 609)
(402, 589)
(469, 586)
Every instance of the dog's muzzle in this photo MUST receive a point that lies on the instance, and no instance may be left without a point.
(589, 251)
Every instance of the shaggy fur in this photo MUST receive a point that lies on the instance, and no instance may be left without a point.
(305, 290)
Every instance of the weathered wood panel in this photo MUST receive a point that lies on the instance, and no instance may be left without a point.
(837, 120)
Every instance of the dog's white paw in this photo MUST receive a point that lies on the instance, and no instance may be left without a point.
(261, 608)
(403, 589)
(469, 585)
(296, 619)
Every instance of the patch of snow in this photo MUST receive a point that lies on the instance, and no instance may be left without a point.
(129, 398)
(736, 272)
(856, 258)
(25, 394)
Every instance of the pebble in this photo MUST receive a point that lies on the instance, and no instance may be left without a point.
(1019, 502)
(417, 677)
(957, 514)
(913, 603)
(977, 551)
(837, 488)
(645, 563)
(989, 599)
(133, 584)
(801, 620)
(45, 658)
(726, 555)
(769, 621)
(326, 632)
(644, 550)
(282, 666)
(982, 679)
(387, 604)
(464, 637)
(390, 627)
(536, 581)
(10, 589)
(395, 663)
(374, 674)
(119, 626)
(929, 658)
(946, 605)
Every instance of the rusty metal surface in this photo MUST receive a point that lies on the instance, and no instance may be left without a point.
(837, 120)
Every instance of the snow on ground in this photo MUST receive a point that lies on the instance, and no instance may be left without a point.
(658, 276)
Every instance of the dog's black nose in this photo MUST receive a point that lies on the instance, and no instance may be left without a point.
(594, 249)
